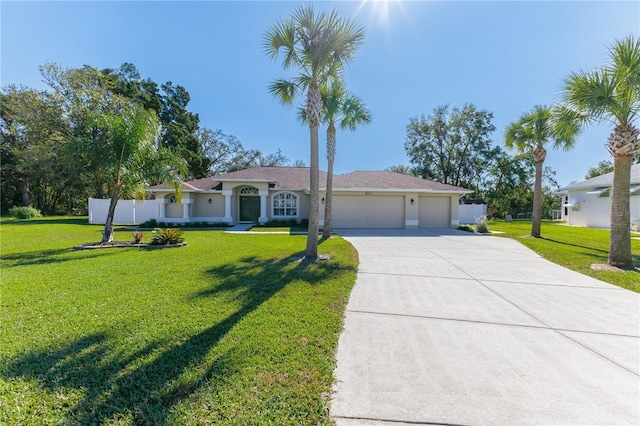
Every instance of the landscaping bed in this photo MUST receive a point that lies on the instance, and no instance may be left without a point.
(125, 244)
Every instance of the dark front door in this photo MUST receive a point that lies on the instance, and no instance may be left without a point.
(249, 208)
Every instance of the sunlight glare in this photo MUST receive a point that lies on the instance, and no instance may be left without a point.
(379, 10)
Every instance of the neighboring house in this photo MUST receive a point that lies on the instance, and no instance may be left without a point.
(361, 199)
(588, 203)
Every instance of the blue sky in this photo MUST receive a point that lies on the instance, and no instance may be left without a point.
(505, 57)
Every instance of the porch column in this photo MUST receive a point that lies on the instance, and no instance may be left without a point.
(185, 209)
(263, 207)
(227, 206)
(162, 209)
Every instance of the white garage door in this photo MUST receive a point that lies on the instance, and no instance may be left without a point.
(434, 212)
(368, 211)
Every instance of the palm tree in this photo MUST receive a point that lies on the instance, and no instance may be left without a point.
(611, 94)
(133, 160)
(529, 135)
(318, 46)
(349, 111)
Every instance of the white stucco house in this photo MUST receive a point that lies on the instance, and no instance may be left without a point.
(361, 199)
(588, 203)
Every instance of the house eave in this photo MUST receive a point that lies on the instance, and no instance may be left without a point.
(414, 190)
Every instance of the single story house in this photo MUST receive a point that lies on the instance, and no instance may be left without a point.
(588, 203)
(361, 199)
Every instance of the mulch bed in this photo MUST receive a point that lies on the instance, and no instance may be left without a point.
(125, 244)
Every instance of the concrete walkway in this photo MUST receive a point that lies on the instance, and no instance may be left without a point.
(447, 327)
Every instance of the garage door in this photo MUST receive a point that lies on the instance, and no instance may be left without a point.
(371, 211)
(434, 212)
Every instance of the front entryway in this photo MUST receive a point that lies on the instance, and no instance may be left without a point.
(249, 208)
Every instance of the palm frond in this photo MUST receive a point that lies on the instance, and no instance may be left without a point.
(284, 90)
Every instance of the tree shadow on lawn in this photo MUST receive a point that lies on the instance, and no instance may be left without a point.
(586, 249)
(44, 257)
(146, 384)
(48, 221)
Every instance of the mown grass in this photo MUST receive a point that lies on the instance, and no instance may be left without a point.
(285, 229)
(573, 247)
(231, 329)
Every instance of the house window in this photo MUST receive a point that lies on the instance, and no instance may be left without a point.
(249, 190)
(600, 192)
(285, 204)
(172, 199)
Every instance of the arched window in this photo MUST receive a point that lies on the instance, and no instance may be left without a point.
(285, 204)
(172, 199)
(249, 190)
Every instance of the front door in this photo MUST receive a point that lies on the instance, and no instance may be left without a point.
(249, 208)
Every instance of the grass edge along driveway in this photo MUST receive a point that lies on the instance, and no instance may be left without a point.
(573, 247)
(231, 329)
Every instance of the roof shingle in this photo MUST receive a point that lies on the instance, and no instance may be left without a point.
(297, 178)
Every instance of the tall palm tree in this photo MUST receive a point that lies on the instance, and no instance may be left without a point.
(529, 135)
(350, 111)
(611, 94)
(317, 46)
(132, 159)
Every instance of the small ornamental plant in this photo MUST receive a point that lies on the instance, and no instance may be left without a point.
(137, 237)
(482, 227)
(165, 236)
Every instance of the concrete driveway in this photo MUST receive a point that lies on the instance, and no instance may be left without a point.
(447, 327)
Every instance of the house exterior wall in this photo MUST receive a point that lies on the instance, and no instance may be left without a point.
(594, 211)
(375, 209)
(202, 209)
(411, 219)
(173, 210)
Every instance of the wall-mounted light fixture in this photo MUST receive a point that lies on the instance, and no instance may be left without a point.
(413, 201)
(322, 200)
(209, 200)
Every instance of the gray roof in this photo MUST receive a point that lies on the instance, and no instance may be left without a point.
(385, 180)
(297, 178)
(603, 181)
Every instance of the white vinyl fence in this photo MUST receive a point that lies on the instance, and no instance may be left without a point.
(127, 211)
(471, 213)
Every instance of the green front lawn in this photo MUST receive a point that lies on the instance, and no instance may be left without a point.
(573, 247)
(282, 229)
(231, 329)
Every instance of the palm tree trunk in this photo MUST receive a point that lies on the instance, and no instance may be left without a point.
(620, 242)
(539, 155)
(331, 155)
(536, 222)
(107, 234)
(314, 107)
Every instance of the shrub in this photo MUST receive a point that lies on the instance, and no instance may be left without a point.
(482, 227)
(24, 212)
(151, 223)
(166, 236)
(137, 236)
(219, 225)
(466, 228)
